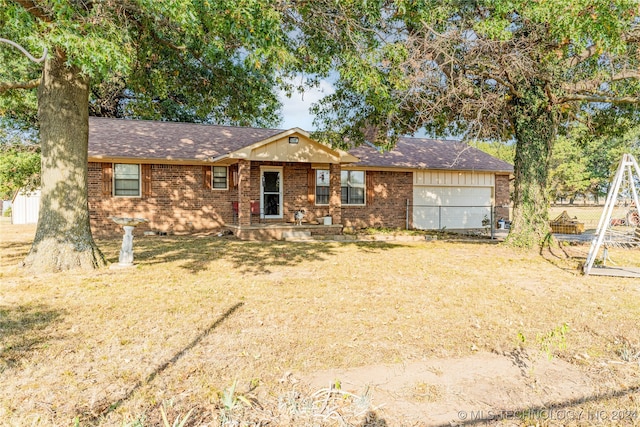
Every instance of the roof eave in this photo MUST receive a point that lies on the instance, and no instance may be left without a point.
(371, 166)
(147, 160)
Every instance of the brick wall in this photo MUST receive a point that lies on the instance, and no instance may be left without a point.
(502, 196)
(386, 201)
(295, 188)
(178, 202)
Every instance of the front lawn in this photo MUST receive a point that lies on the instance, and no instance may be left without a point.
(199, 314)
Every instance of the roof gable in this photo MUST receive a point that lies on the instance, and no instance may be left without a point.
(294, 145)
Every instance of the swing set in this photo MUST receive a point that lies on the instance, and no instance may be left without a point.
(617, 232)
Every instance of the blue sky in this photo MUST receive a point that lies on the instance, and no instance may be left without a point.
(295, 110)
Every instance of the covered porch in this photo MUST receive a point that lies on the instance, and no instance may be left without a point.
(277, 177)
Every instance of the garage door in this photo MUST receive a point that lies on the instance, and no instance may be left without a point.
(451, 207)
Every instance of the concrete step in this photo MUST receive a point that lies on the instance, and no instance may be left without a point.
(296, 235)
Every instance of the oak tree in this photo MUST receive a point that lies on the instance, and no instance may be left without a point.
(510, 70)
(201, 60)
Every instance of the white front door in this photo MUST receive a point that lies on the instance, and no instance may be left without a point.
(271, 192)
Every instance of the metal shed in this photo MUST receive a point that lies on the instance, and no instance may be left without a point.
(25, 207)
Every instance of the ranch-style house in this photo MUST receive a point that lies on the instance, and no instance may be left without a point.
(197, 178)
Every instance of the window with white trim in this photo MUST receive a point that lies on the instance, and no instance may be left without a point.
(352, 186)
(322, 187)
(219, 178)
(126, 180)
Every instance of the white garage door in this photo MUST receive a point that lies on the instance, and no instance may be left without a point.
(451, 207)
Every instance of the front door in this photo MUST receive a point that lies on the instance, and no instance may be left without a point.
(271, 193)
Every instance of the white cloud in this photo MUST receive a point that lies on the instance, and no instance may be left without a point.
(295, 110)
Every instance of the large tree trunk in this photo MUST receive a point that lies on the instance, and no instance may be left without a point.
(63, 238)
(535, 131)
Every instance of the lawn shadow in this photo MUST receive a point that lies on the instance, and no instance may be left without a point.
(195, 253)
(555, 253)
(251, 257)
(468, 240)
(13, 253)
(23, 329)
(107, 407)
(259, 257)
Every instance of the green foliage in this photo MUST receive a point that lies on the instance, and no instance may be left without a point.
(230, 399)
(555, 339)
(500, 150)
(580, 22)
(19, 168)
(209, 61)
(232, 402)
(569, 173)
(585, 159)
(454, 67)
(14, 67)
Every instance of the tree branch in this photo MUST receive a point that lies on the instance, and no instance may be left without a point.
(632, 36)
(583, 56)
(602, 99)
(24, 51)
(504, 83)
(590, 85)
(31, 84)
(34, 10)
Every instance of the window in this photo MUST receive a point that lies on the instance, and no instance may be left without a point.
(322, 187)
(352, 187)
(220, 177)
(126, 179)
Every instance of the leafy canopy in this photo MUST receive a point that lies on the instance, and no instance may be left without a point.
(585, 160)
(204, 61)
(455, 67)
(19, 163)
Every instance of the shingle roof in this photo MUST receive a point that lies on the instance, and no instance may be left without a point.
(424, 153)
(140, 139)
(118, 138)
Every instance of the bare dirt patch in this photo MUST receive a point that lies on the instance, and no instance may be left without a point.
(443, 391)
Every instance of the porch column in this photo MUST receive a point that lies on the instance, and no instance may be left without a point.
(335, 202)
(244, 192)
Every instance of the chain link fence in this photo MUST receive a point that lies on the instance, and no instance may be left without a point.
(488, 219)
(469, 219)
(624, 214)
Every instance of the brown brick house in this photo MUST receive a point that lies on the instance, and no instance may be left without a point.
(188, 178)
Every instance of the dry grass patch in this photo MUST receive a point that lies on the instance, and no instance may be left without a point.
(199, 314)
(589, 215)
